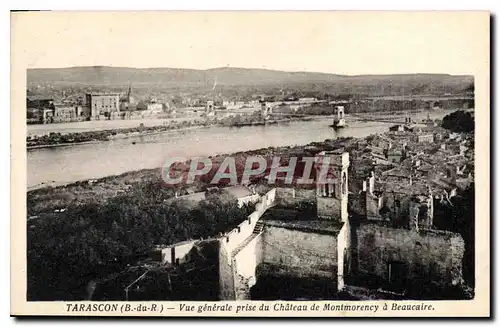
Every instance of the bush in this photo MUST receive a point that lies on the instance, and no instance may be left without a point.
(86, 242)
(459, 122)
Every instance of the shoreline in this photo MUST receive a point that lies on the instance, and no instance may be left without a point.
(371, 115)
(125, 136)
(106, 179)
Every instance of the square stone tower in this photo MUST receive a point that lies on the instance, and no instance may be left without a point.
(331, 185)
(340, 112)
(210, 106)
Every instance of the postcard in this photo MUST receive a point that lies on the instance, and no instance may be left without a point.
(250, 164)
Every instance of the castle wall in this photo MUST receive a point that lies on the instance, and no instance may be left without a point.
(330, 208)
(289, 197)
(239, 253)
(245, 264)
(234, 238)
(372, 206)
(427, 254)
(300, 254)
(247, 259)
(343, 254)
(238, 235)
(357, 204)
(177, 251)
(226, 275)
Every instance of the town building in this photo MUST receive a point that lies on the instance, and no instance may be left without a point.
(243, 194)
(127, 101)
(39, 109)
(68, 113)
(155, 107)
(39, 102)
(425, 138)
(102, 105)
(395, 155)
(308, 100)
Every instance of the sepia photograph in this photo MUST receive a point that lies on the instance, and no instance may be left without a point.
(219, 157)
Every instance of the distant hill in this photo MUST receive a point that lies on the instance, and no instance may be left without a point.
(179, 78)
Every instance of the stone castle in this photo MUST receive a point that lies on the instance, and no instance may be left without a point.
(392, 253)
(389, 247)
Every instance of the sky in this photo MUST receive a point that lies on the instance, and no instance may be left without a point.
(349, 43)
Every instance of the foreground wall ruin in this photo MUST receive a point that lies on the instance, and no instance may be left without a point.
(428, 256)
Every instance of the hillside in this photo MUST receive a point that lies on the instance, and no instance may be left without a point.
(180, 78)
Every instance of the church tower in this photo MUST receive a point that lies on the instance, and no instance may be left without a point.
(331, 185)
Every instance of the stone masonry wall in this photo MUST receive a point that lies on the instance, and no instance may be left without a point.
(226, 275)
(300, 254)
(245, 264)
(329, 208)
(434, 255)
(234, 242)
(288, 197)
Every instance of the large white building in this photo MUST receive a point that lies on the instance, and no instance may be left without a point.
(102, 105)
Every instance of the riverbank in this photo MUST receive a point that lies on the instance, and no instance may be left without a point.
(68, 137)
(52, 139)
(98, 227)
(67, 164)
(117, 136)
(49, 198)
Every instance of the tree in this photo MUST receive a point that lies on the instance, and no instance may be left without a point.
(87, 242)
(459, 122)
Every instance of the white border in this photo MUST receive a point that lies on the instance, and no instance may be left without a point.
(199, 5)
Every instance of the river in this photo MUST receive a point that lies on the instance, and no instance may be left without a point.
(67, 164)
(97, 125)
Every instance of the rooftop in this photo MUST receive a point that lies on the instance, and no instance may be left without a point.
(195, 197)
(312, 226)
(39, 98)
(103, 94)
(291, 218)
(238, 191)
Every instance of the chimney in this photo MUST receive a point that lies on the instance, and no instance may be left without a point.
(430, 210)
(372, 184)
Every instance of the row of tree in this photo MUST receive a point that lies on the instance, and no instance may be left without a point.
(459, 121)
(67, 250)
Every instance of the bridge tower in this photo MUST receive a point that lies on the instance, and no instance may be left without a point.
(210, 108)
(340, 112)
(331, 185)
(339, 121)
(265, 110)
